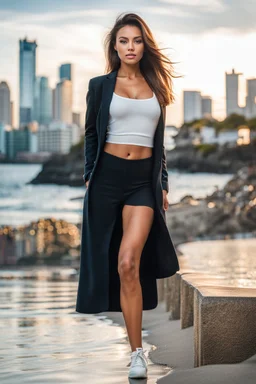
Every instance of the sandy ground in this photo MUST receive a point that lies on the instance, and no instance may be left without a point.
(174, 348)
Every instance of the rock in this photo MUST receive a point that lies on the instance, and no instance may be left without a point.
(227, 211)
(62, 170)
(224, 159)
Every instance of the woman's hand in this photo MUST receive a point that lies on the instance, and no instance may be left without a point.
(87, 183)
(165, 200)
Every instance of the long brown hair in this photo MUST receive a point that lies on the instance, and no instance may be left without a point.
(156, 67)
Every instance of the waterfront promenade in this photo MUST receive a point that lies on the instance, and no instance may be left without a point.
(176, 342)
(44, 338)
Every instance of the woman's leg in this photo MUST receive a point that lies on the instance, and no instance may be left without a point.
(137, 221)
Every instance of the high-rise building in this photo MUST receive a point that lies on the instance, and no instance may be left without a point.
(65, 72)
(12, 114)
(37, 101)
(206, 106)
(45, 116)
(43, 101)
(54, 109)
(2, 139)
(20, 140)
(58, 137)
(250, 108)
(76, 118)
(63, 101)
(192, 105)
(46, 101)
(232, 92)
(27, 80)
(5, 103)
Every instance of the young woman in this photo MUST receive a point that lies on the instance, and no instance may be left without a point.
(125, 243)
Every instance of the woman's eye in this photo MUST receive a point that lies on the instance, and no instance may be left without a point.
(136, 41)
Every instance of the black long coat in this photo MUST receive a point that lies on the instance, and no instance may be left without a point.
(158, 259)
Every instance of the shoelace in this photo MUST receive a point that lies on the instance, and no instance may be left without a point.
(137, 356)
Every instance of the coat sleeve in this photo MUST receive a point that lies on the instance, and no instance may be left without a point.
(165, 183)
(90, 137)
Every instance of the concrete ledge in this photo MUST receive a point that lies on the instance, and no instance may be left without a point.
(172, 293)
(224, 325)
(161, 289)
(188, 283)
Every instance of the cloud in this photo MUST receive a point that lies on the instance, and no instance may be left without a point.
(202, 5)
(50, 17)
(203, 17)
(200, 16)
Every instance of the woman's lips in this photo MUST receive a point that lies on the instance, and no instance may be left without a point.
(130, 56)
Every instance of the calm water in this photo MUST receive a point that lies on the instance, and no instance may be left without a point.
(21, 203)
(43, 339)
(234, 259)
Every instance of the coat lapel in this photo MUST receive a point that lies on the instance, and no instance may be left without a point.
(107, 94)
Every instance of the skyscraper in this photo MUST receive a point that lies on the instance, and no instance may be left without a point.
(12, 114)
(192, 105)
(43, 101)
(5, 103)
(232, 93)
(37, 101)
(206, 106)
(66, 72)
(46, 101)
(76, 117)
(63, 101)
(27, 79)
(250, 98)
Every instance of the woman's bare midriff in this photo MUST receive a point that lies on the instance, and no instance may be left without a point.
(128, 151)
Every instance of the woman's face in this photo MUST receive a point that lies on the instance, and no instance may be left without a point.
(129, 44)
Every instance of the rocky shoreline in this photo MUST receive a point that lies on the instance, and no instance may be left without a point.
(216, 159)
(68, 169)
(62, 170)
(230, 210)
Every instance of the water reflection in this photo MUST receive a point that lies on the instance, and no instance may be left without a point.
(46, 241)
(233, 258)
(43, 339)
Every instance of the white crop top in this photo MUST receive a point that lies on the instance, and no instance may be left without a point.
(133, 121)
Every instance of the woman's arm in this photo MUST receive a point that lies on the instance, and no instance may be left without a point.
(90, 138)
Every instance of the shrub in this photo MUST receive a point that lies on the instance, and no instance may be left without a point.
(206, 149)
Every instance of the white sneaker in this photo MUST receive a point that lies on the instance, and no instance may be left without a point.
(138, 367)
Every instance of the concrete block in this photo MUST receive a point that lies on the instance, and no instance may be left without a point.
(172, 293)
(161, 289)
(224, 325)
(187, 286)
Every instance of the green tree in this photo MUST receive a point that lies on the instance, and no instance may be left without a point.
(252, 123)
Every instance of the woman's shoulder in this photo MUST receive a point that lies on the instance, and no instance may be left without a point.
(98, 79)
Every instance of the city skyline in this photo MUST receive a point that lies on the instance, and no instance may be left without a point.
(206, 41)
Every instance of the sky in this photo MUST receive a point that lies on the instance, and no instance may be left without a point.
(204, 38)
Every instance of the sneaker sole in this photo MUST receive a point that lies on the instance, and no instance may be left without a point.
(138, 375)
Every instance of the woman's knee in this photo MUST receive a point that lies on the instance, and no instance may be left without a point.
(127, 266)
